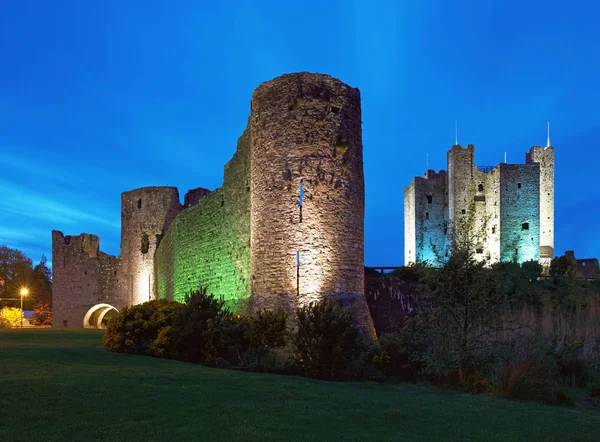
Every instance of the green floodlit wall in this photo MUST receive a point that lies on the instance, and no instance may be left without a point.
(208, 244)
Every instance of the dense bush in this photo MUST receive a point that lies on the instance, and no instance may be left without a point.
(184, 339)
(571, 368)
(42, 314)
(394, 357)
(328, 344)
(135, 328)
(524, 379)
(244, 342)
(12, 316)
(4, 323)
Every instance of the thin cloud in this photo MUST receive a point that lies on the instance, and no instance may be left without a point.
(25, 202)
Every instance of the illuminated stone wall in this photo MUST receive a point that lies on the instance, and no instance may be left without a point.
(146, 214)
(306, 131)
(499, 208)
(425, 219)
(208, 244)
(82, 276)
(410, 224)
(461, 185)
(491, 218)
(243, 241)
(519, 212)
(545, 158)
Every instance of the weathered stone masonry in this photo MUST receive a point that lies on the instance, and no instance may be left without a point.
(509, 209)
(292, 194)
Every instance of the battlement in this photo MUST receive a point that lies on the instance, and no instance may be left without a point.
(285, 228)
(83, 244)
(508, 207)
(432, 175)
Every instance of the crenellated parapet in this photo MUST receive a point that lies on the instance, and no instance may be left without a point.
(285, 229)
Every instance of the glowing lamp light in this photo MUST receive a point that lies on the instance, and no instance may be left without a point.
(24, 292)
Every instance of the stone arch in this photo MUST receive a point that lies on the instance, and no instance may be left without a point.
(95, 315)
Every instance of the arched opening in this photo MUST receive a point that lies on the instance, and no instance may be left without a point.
(98, 316)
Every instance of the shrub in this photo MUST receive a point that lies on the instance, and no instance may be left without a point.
(12, 316)
(394, 358)
(227, 341)
(185, 340)
(462, 378)
(135, 328)
(327, 343)
(571, 367)
(244, 342)
(4, 323)
(525, 379)
(268, 330)
(42, 314)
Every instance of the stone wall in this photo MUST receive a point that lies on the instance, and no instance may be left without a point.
(83, 276)
(410, 225)
(492, 214)
(545, 158)
(208, 244)
(292, 194)
(460, 182)
(193, 196)
(519, 212)
(146, 214)
(425, 219)
(390, 300)
(306, 134)
(499, 208)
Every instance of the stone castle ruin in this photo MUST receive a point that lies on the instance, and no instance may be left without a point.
(286, 227)
(508, 209)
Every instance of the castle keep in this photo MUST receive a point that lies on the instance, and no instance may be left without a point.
(286, 227)
(507, 210)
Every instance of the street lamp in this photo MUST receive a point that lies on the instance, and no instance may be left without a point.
(24, 292)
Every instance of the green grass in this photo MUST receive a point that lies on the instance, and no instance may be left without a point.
(63, 385)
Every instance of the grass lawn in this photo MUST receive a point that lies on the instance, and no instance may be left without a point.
(63, 385)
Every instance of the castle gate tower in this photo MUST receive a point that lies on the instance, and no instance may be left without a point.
(146, 214)
(307, 205)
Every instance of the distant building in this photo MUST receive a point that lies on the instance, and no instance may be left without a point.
(508, 209)
(587, 268)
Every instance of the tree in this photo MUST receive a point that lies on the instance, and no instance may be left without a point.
(42, 314)
(13, 316)
(462, 310)
(17, 270)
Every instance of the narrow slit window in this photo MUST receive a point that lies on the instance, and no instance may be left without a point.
(301, 197)
(145, 243)
(480, 188)
(426, 215)
(139, 204)
(463, 211)
(429, 199)
(518, 185)
(525, 226)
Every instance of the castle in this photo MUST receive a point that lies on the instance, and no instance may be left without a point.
(286, 227)
(507, 210)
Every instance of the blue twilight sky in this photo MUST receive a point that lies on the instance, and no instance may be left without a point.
(101, 97)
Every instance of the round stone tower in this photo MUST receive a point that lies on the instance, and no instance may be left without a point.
(146, 214)
(307, 205)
